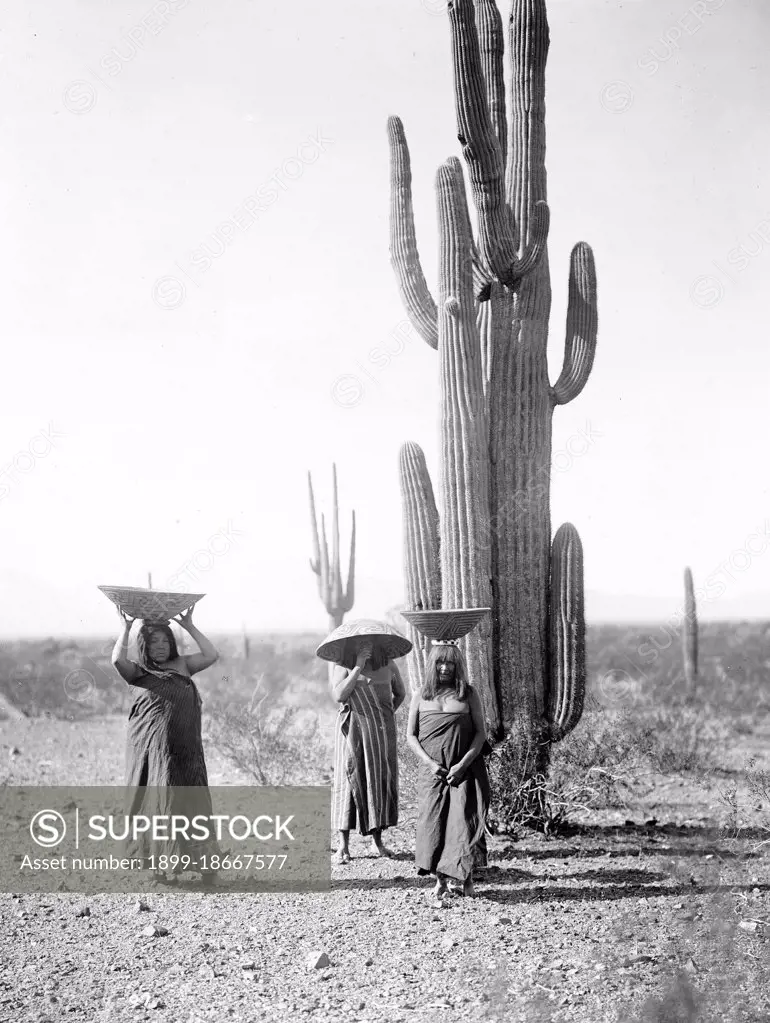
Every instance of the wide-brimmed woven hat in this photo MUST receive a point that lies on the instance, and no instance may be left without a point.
(446, 624)
(152, 606)
(348, 638)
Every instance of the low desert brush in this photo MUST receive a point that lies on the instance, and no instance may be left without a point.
(273, 745)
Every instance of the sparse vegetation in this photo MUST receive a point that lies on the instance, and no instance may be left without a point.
(269, 744)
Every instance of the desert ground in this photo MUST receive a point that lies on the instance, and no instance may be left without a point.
(645, 899)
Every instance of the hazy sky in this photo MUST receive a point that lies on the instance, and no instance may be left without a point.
(195, 264)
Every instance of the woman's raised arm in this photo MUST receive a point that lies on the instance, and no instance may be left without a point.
(125, 668)
(343, 681)
(208, 652)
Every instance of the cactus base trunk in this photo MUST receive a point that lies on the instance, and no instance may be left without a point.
(518, 769)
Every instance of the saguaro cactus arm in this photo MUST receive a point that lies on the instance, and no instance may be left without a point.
(350, 589)
(422, 569)
(335, 579)
(582, 326)
(324, 580)
(526, 181)
(465, 558)
(489, 25)
(404, 257)
(567, 633)
(484, 154)
(463, 449)
(315, 561)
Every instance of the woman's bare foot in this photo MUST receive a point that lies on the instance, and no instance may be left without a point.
(439, 896)
(343, 852)
(379, 847)
(464, 888)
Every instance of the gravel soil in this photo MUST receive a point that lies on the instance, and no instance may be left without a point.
(597, 924)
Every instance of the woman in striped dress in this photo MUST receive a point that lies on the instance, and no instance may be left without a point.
(365, 793)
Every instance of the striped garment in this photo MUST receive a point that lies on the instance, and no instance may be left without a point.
(365, 792)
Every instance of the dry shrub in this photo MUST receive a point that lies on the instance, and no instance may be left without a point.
(676, 740)
(276, 745)
(748, 805)
(599, 764)
(758, 782)
(539, 801)
(610, 760)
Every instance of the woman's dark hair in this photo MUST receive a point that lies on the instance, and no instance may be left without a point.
(445, 653)
(378, 658)
(143, 644)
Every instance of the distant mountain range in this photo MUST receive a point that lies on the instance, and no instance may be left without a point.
(613, 607)
(43, 609)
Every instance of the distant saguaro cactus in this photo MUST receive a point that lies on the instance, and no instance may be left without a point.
(489, 325)
(690, 632)
(336, 600)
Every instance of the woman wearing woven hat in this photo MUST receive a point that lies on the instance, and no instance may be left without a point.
(368, 686)
(447, 732)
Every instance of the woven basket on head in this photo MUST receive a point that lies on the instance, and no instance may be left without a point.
(447, 624)
(152, 606)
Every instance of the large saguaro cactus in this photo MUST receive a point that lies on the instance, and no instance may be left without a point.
(336, 600)
(489, 324)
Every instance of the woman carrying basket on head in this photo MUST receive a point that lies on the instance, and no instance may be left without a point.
(368, 686)
(164, 750)
(447, 732)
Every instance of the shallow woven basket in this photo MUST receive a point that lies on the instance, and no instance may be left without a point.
(446, 624)
(152, 606)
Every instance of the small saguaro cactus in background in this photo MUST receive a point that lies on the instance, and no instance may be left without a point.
(488, 542)
(336, 600)
(690, 632)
